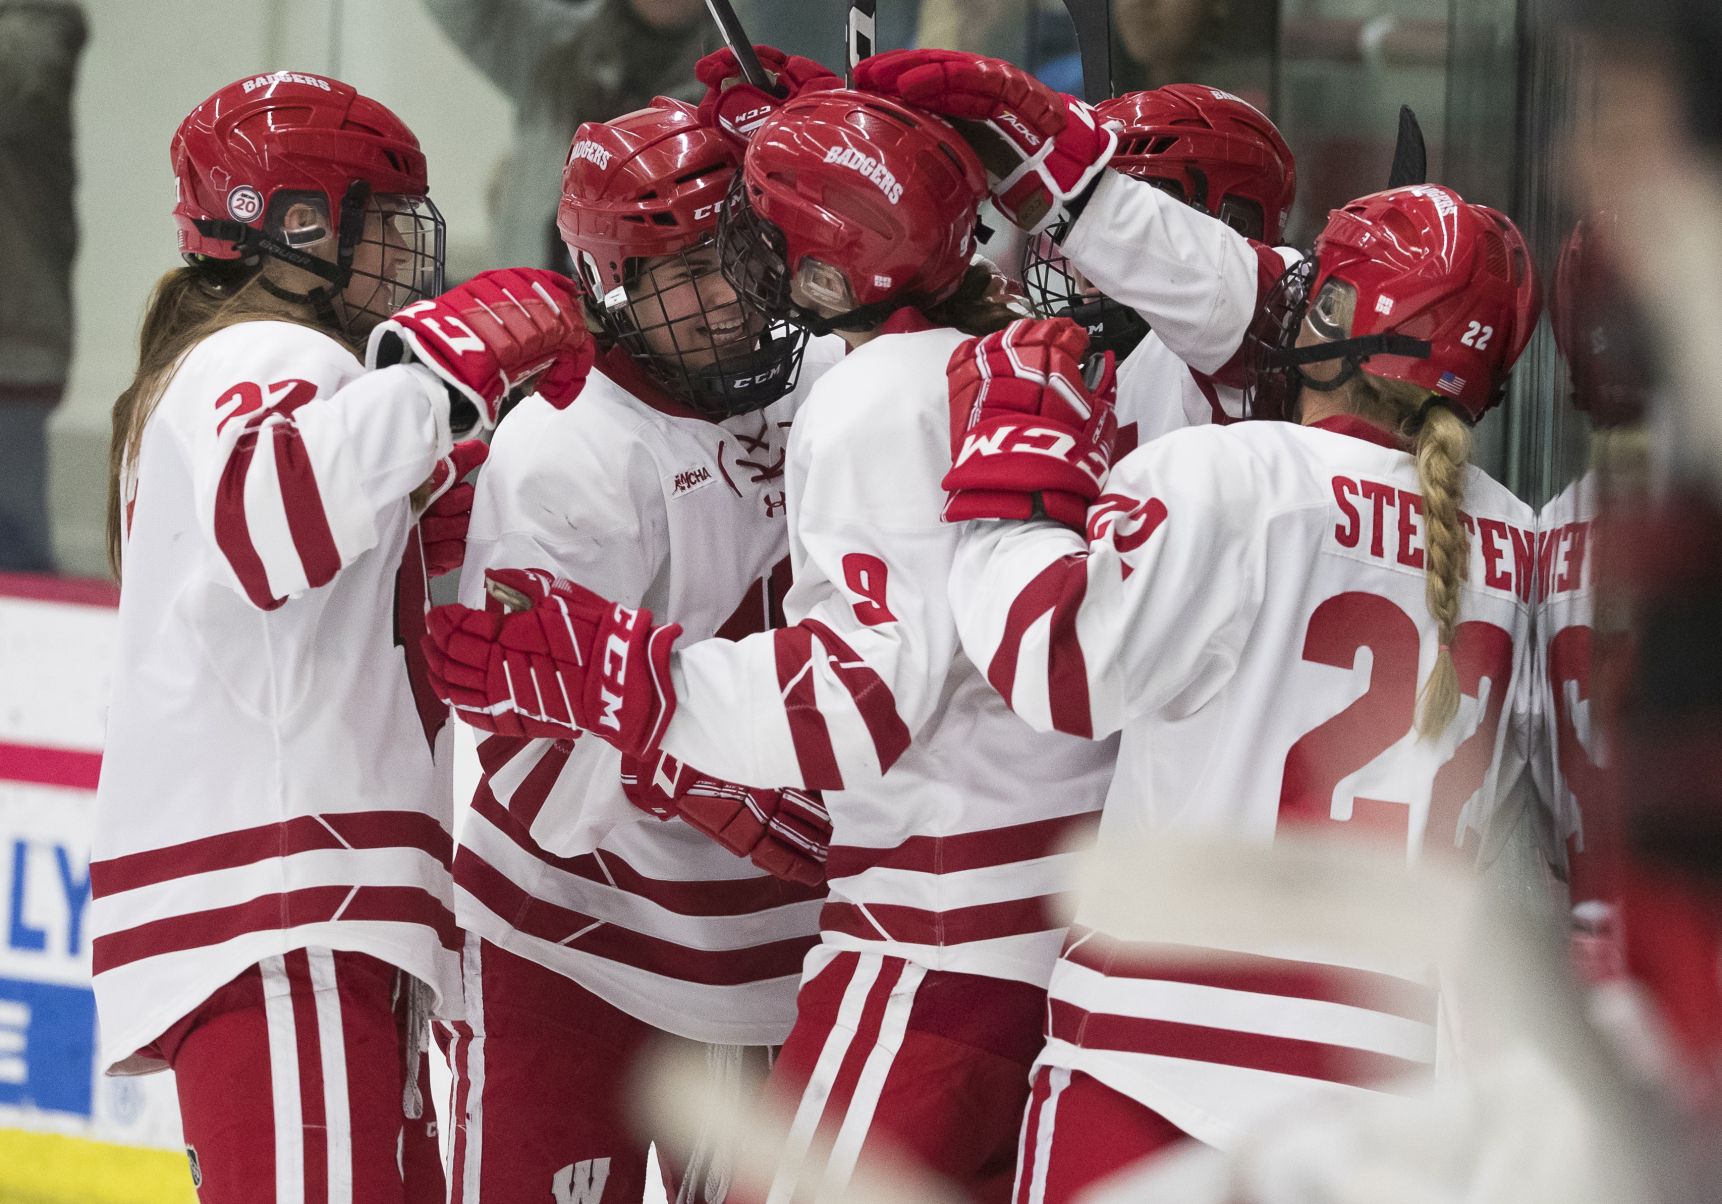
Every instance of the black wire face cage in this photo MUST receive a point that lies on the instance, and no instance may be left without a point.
(1057, 290)
(399, 251)
(1276, 363)
(719, 357)
(753, 255)
(389, 253)
(1273, 379)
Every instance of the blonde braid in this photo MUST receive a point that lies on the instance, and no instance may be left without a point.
(1442, 449)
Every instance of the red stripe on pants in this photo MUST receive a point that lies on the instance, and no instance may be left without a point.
(952, 1098)
(225, 1077)
(1095, 1132)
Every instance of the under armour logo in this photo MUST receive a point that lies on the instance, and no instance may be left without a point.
(581, 1182)
(775, 502)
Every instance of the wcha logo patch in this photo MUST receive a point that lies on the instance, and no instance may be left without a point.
(690, 479)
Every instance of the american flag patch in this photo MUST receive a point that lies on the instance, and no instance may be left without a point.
(1450, 383)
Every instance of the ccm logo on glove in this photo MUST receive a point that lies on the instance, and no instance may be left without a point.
(1035, 440)
(613, 680)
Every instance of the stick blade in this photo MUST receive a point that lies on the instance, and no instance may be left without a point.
(1410, 156)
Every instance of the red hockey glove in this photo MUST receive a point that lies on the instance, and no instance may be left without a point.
(736, 107)
(1024, 424)
(487, 337)
(1042, 149)
(566, 659)
(444, 520)
(786, 833)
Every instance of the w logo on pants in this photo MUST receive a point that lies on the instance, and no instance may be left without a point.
(581, 1182)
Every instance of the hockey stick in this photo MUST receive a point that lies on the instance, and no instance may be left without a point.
(1093, 22)
(1410, 156)
(735, 37)
(861, 13)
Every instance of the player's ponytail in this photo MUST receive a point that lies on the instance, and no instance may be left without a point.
(1442, 448)
(189, 304)
(977, 307)
(1440, 443)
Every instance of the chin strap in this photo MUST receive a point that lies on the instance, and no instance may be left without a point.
(1353, 352)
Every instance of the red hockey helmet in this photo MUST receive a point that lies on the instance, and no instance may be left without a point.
(1597, 328)
(1211, 150)
(853, 202)
(640, 190)
(1208, 148)
(1441, 294)
(243, 157)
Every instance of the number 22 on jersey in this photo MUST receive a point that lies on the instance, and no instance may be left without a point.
(1340, 628)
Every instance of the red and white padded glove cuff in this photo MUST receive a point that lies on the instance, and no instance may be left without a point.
(1062, 169)
(659, 645)
(392, 342)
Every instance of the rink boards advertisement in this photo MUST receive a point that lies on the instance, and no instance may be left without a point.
(67, 1132)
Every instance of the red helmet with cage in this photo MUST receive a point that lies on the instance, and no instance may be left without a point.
(641, 194)
(262, 144)
(1210, 149)
(1597, 328)
(1413, 284)
(855, 204)
(643, 185)
(1206, 147)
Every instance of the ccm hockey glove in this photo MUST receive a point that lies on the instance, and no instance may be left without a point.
(786, 832)
(735, 107)
(1042, 149)
(546, 657)
(1025, 426)
(488, 337)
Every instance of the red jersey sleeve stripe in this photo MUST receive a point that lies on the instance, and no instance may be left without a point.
(1229, 1047)
(272, 912)
(303, 504)
(529, 797)
(807, 729)
(1057, 589)
(873, 698)
(356, 830)
(233, 532)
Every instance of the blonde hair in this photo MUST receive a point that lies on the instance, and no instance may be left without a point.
(188, 305)
(1440, 442)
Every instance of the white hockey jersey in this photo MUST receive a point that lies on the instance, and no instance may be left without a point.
(653, 506)
(953, 857)
(1198, 284)
(273, 777)
(1572, 758)
(1249, 610)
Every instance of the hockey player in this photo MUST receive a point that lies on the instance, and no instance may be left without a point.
(593, 929)
(1222, 158)
(1165, 202)
(921, 1008)
(1345, 588)
(272, 902)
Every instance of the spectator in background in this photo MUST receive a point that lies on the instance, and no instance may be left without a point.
(39, 45)
(1225, 43)
(563, 62)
